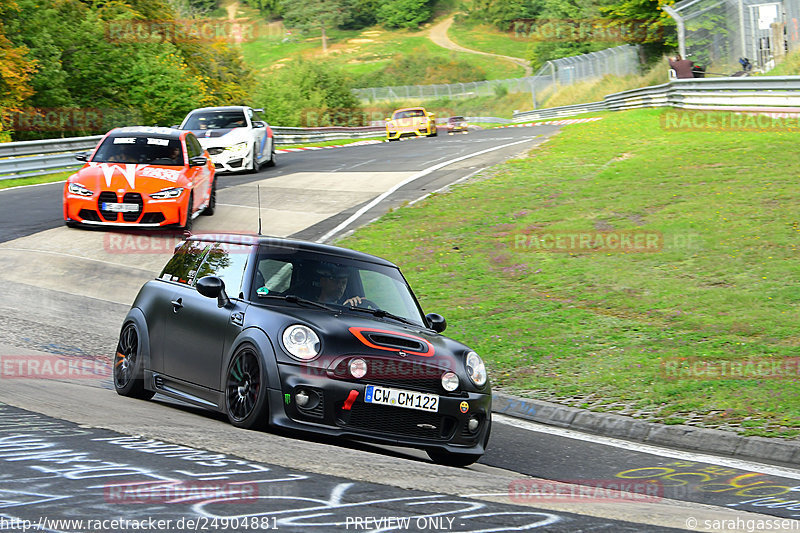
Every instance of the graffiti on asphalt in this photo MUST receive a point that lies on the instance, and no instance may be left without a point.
(746, 488)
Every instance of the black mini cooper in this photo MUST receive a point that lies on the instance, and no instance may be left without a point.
(308, 337)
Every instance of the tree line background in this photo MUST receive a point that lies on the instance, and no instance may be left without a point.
(57, 54)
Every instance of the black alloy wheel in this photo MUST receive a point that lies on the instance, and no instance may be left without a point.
(246, 390)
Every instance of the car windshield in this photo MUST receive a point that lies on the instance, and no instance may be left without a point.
(456, 119)
(216, 120)
(410, 113)
(336, 282)
(140, 149)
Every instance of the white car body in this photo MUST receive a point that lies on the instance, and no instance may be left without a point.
(235, 136)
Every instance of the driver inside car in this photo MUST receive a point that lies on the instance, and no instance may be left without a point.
(332, 286)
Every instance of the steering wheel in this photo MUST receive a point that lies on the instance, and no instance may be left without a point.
(366, 304)
(369, 304)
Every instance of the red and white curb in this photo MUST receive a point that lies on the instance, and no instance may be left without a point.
(554, 122)
(303, 149)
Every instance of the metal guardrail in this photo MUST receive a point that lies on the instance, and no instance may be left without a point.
(767, 94)
(24, 159)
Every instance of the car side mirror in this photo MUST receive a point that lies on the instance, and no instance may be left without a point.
(213, 287)
(388, 119)
(82, 156)
(176, 127)
(436, 322)
(259, 124)
(198, 161)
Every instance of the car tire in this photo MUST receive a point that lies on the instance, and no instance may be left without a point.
(272, 162)
(212, 200)
(443, 457)
(246, 389)
(128, 369)
(434, 134)
(189, 220)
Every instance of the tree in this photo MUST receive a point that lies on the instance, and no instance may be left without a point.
(643, 22)
(314, 14)
(16, 70)
(404, 13)
(308, 94)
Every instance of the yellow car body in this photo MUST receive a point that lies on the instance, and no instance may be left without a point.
(410, 121)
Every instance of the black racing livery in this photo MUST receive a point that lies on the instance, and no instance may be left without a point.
(304, 336)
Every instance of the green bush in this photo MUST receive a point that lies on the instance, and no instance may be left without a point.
(308, 94)
(404, 13)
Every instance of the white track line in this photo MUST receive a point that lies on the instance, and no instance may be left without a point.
(740, 464)
(355, 216)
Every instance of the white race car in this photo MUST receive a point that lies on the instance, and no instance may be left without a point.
(235, 136)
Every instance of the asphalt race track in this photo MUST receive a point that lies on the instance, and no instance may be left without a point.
(72, 449)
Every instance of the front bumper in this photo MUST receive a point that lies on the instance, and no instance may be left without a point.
(421, 130)
(225, 161)
(151, 213)
(327, 414)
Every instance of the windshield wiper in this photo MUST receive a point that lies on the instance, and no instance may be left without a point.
(380, 313)
(291, 298)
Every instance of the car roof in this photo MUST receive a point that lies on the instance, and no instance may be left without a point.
(222, 108)
(291, 244)
(409, 109)
(147, 130)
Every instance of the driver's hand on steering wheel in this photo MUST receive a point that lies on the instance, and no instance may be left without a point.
(355, 301)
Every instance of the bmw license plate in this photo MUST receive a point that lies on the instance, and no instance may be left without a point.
(119, 208)
(402, 398)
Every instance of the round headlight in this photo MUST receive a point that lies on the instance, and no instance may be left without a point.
(301, 342)
(358, 368)
(476, 369)
(449, 381)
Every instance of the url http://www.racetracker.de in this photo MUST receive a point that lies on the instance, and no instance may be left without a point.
(739, 524)
(149, 524)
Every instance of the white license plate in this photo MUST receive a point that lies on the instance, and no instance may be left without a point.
(402, 398)
(119, 208)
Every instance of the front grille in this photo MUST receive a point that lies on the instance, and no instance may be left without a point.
(89, 215)
(132, 198)
(418, 385)
(107, 196)
(152, 218)
(398, 373)
(217, 165)
(389, 420)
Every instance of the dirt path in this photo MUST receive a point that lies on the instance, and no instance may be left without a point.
(438, 34)
(235, 29)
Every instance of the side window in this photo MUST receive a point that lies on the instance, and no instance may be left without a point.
(193, 147)
(227, 262)
(273, 276)
(182, 268)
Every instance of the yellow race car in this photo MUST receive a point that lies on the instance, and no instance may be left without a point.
(410, 121)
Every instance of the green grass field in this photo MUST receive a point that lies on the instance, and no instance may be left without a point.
(637, 333)
(33, 180)
(487, 38)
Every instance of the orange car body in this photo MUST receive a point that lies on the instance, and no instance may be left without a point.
(147, 193)
(410, 121)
